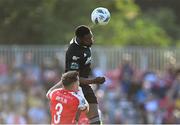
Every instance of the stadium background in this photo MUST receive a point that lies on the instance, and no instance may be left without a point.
(138, 52)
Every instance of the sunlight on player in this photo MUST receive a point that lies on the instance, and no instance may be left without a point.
(78, 57)
(67, 100)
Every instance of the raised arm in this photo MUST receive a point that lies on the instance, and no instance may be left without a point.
(56, 86)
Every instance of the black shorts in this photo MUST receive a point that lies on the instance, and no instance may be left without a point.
(89, 94)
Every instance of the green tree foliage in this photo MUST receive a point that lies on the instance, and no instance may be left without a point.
(54, 21)
(128, 27)
(21, 21)
(166, 19)
(41, 21)
(62, 18)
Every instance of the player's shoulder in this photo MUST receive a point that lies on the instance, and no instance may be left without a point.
(77, 96)
(74, 94)
(53, 92)
(57, 91)
(73, 50)
(73, 45)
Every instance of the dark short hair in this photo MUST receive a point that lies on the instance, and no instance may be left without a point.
(69, 77)
(82, 30)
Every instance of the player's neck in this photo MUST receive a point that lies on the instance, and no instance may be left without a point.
(69, 89)
(78, 41)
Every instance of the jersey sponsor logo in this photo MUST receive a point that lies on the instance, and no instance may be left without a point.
(74, 65)
(75, 58)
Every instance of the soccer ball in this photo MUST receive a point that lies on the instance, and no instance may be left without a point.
(100, 16)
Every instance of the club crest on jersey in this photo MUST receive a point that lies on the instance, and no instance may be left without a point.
(75, 58)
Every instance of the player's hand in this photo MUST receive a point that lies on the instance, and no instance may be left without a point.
(99, 80)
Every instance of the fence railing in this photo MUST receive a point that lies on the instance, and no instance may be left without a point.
(103, 57)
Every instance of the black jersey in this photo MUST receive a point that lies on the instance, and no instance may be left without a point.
(78, 58)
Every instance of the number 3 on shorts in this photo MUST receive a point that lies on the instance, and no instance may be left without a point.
(57, 116)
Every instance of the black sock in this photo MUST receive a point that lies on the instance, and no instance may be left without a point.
(97, 122)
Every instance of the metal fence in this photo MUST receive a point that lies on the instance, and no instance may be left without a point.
(103, 57)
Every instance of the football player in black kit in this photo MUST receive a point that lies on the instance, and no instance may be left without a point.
(78, 57)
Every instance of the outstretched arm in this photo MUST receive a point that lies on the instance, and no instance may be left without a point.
(97, 80)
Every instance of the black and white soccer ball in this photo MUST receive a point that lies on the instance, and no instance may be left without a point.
(100, 16)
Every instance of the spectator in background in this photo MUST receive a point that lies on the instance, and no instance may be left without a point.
(3, 66)
(31, 71)
(15, 117)
(37, 111)
(126, 72)
(51, 71)
(3, 70)
(18, 93)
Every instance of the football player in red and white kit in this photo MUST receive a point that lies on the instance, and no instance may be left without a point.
(66, 98)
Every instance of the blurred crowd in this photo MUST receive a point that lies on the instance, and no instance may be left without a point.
(129, 95)
(23, 89)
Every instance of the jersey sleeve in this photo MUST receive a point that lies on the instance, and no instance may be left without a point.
(72, 60)
(83, 104)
